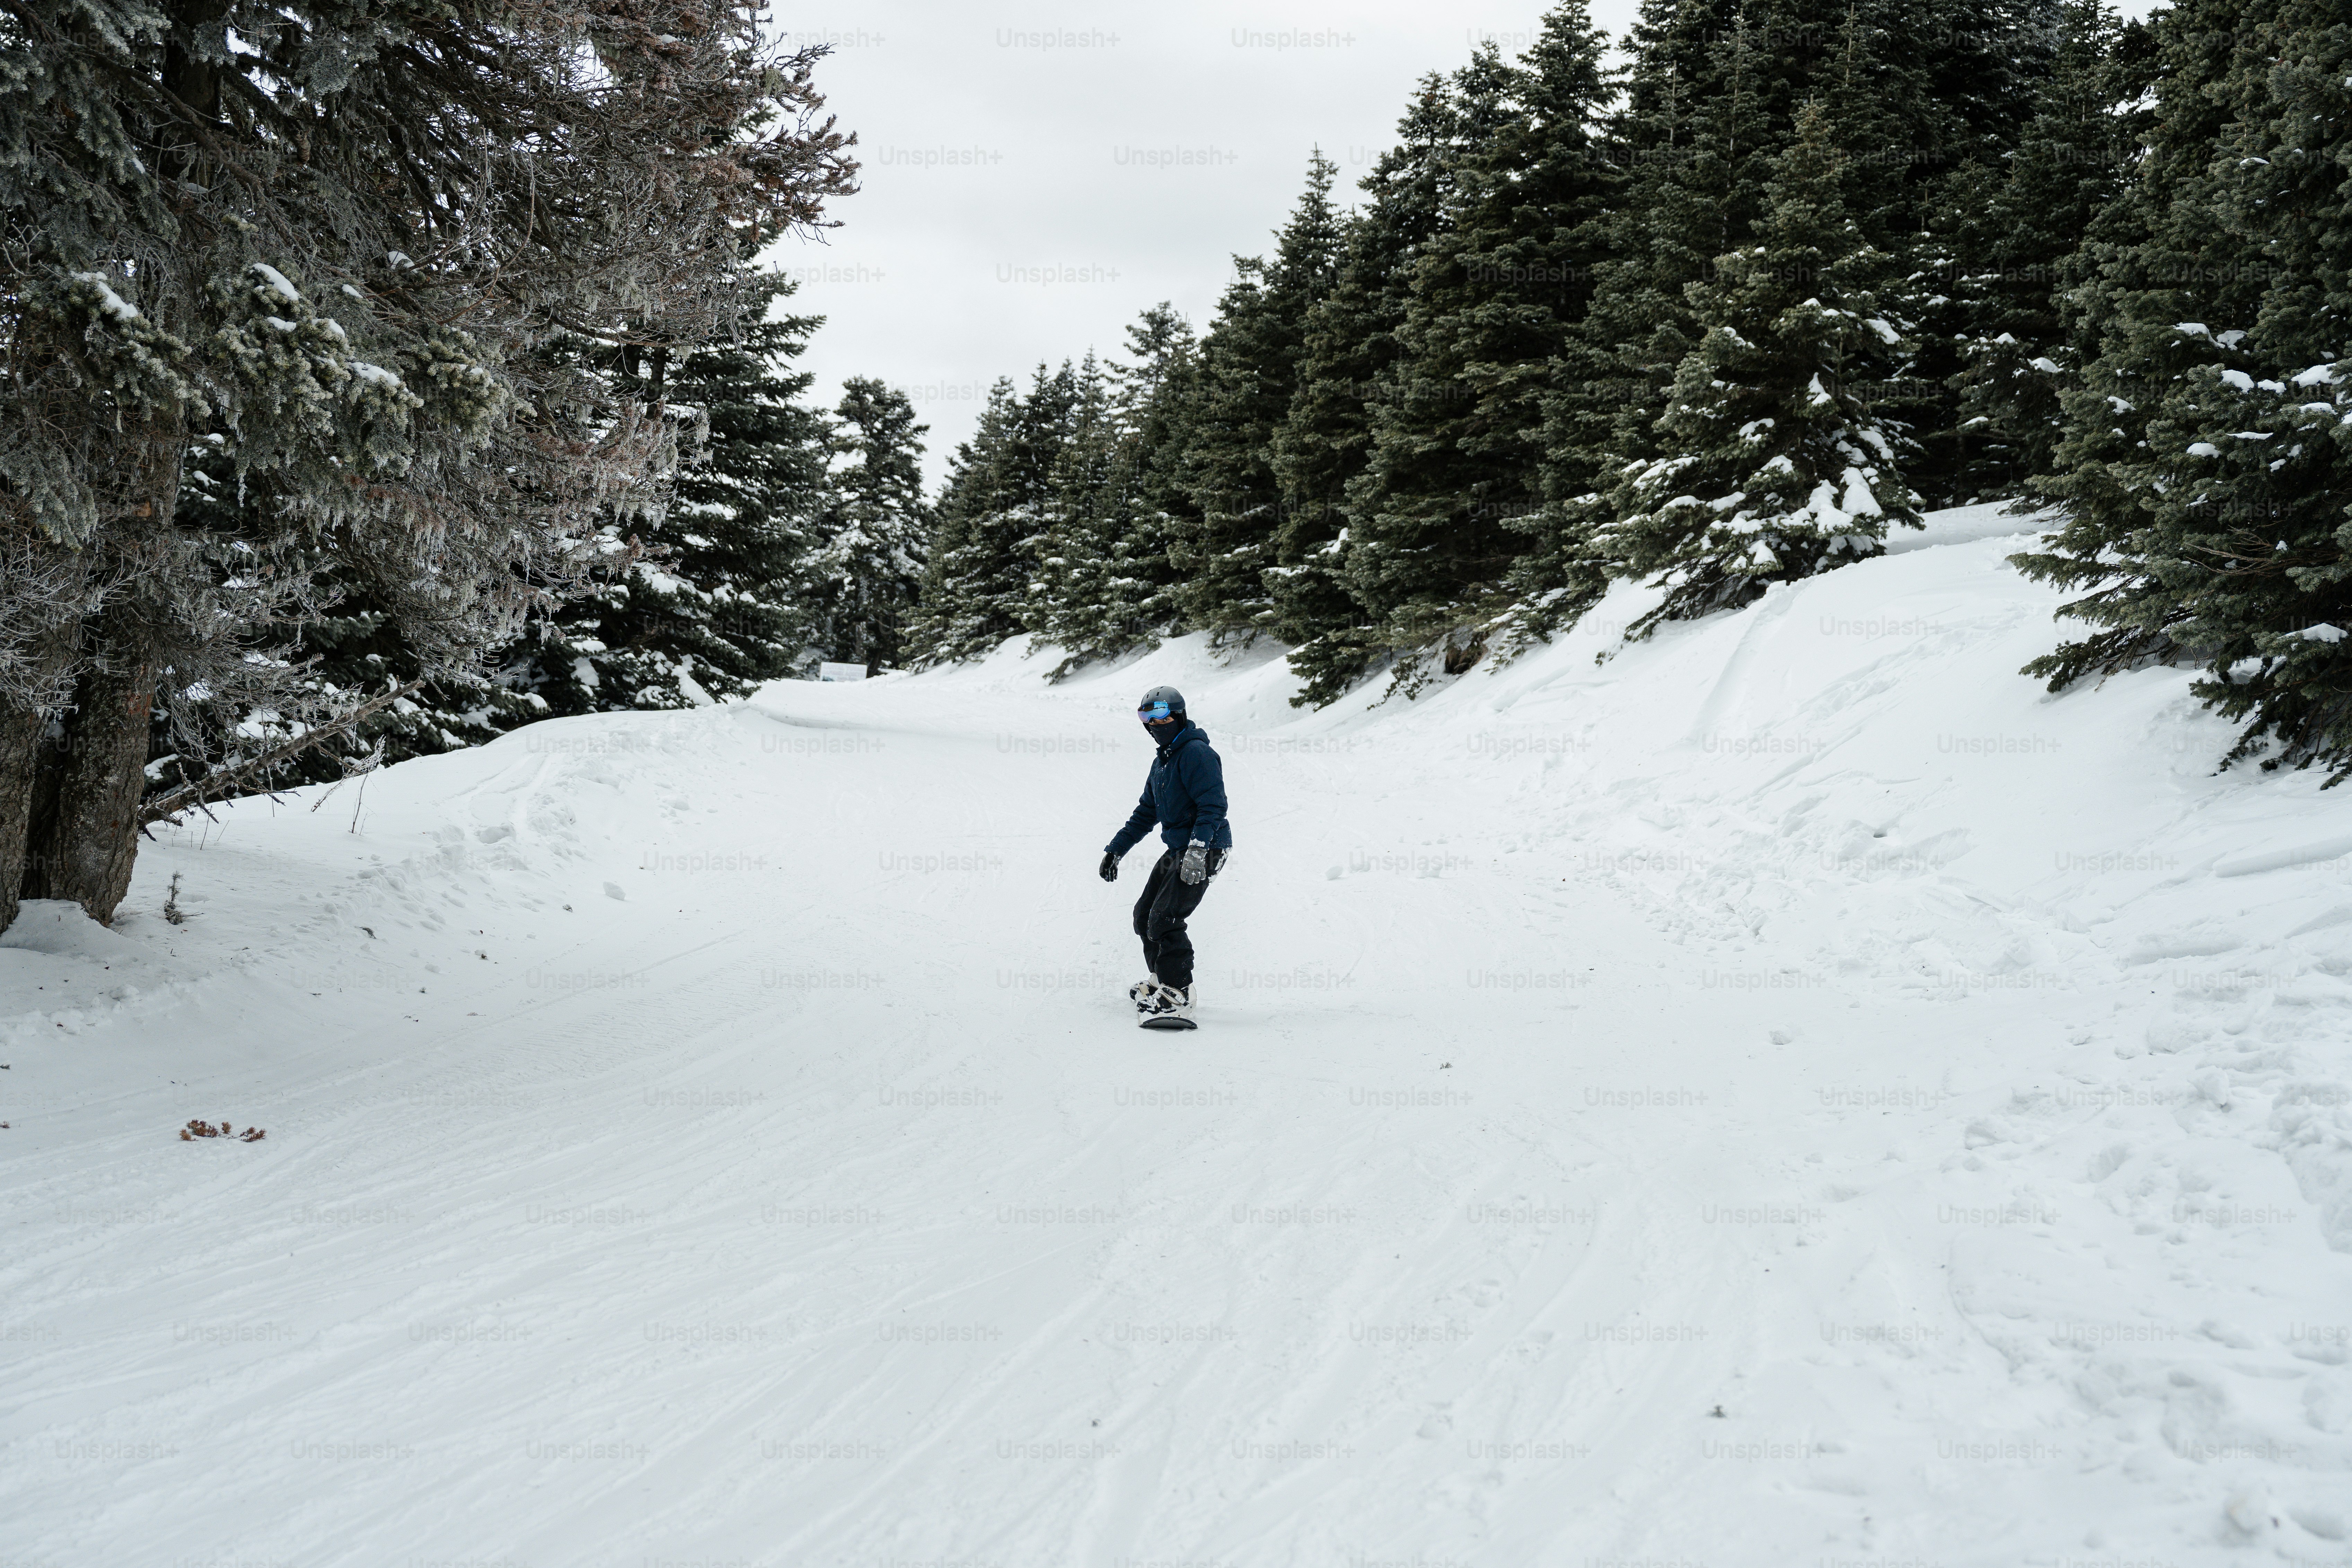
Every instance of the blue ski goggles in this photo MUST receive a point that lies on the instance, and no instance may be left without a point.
(1155, 713)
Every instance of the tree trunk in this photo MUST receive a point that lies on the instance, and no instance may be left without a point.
(85, 834)
(27, 790)
(20, 744)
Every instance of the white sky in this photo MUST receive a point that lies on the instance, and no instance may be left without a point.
(1024, 202)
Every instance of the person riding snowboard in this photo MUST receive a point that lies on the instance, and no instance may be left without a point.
(1185, 795)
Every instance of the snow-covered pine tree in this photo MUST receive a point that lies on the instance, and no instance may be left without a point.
(1694, 134)
(1712, 92)
(1348, 349)
(1072, 547)
(261, 229)
(998, 500)
(1931, 97)
(703, 597)
(352, 644)
(874, 534)
(1110, 587)
(1456, 469)
(2018, 239)
(2207, 460)
(1159, 395)
(1249, 366)
(1778, 463)
(948, 621)
(712, 594)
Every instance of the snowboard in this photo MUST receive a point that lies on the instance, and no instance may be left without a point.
(1162, 1021)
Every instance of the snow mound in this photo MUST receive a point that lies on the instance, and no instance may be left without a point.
(1795, 1063)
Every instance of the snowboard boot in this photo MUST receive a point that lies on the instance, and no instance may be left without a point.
(1168, 1007)
(1142, 992)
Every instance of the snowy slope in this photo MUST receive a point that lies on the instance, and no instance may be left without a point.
(1794, 1092)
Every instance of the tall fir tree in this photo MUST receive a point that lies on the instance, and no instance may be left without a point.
(2018, 238)
(1347, 351)
(2206, 461)
(1693, 132)
(712, 598)
(326, 242)
(1932, 96)
(1159, 400)
(1082, 516)
(1249, 366)
(998, 503)
(873, 536)
(1456, 456)
(700, 597)
(1713, 93)
(1110, 587)
(1779, 462)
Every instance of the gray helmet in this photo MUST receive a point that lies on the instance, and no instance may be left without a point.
(1161, 702)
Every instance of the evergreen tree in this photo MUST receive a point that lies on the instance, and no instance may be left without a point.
(709, 594)
(1158, 401)
(1932, 97)
(1110, 587)
(999, 500)
(1693, 136)
(875, 536)
(700, 594)
(2019, 237)
(1779, 462)
(1713, 93)
(1456, 454)
(2206, 463)
(1249, 362)
(1347, 350)
(347, 646)
(1082, 518)
(326, 242)
(356, 648)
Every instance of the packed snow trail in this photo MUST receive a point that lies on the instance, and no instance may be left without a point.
(1795, 1093)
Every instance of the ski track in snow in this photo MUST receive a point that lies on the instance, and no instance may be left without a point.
(721, 1137)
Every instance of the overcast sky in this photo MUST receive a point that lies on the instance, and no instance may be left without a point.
(1034, 176)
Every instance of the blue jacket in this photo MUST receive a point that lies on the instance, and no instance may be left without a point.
(1185, 794)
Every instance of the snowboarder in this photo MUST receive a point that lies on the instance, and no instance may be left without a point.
(1185, 795)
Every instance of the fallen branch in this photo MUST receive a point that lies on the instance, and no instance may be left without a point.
(224, 782)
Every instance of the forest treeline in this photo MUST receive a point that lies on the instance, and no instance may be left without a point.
(1716, 310)
(375, 384)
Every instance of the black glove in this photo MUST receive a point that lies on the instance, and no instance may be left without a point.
(1195, 868)
(1108, 869)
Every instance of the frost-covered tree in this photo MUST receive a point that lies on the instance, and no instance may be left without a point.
(1348, 355)
(1777, 460)
(711, 594)
(325, 244)
(1000, 498)
(874, 535)
(1249, 364)
(1456, 462)
(1106, 584)
(2018, 243)
(2207, 454)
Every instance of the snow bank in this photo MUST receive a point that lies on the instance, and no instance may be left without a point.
(1793, 1091)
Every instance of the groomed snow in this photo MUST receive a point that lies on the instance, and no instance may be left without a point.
(1795, 1093)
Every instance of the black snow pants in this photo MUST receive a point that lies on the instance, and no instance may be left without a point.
(1160, 913)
